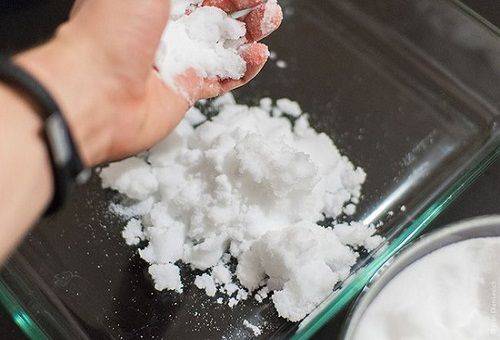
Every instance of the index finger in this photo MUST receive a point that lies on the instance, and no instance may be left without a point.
(263, 19)
(231, 6)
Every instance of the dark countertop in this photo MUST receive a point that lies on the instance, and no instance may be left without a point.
(480, 199)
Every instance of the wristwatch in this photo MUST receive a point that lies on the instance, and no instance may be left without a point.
(67, 165)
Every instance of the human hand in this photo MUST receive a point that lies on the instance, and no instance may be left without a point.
(99, 68)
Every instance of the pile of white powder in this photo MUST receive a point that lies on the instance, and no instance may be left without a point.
(450, 294)
(247, 186)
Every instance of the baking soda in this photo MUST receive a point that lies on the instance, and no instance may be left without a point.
(201, 38)
(255, 329)
(246, 186)
(451, 293)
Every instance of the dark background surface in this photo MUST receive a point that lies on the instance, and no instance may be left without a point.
(23, 22)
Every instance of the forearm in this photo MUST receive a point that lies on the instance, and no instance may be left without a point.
(25, 175)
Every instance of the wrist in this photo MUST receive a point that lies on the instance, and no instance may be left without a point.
(23, 146)
(58, 66)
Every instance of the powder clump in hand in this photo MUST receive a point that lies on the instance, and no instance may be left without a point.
(201, 38)
(250, 187)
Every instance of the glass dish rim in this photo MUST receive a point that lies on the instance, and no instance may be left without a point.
(410, 233)
(309, 326)
(426, 244)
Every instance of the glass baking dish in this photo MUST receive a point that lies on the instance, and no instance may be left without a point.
(407, 89)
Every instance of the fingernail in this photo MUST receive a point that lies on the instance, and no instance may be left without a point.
(264, 20)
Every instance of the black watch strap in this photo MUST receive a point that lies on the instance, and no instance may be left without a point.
(67, 166)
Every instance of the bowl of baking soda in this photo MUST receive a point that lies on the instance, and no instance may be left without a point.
(446, 285)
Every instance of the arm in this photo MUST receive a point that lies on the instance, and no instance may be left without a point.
(25, 175)
(98, 68)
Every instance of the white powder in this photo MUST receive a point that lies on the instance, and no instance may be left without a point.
(450, 294)
(230, 288)
(232, 302)
(262, 294)
(266, 104)
(139, 209)
(195, 117)
(256, 330)
(357, 235)
(250, 186)
(350, 209)
(222, 274)
(132, 233)
(206, 39)
(289, 107)
(132, 176)
(302, 264)
(166, 276)
(225, 99)
(206, 282)
(281, 64)
(181, 7)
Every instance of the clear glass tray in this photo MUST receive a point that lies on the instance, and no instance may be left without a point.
(409, 90)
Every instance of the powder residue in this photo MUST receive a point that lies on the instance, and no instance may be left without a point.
(255, 329)
(281, 64)
(132, 233)
(450, 294)
(247, 186)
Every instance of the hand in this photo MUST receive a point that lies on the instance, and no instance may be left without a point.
(99, 68)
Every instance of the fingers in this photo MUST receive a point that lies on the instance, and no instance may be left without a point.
(193, 87)
(263, 20)
(255, 55)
